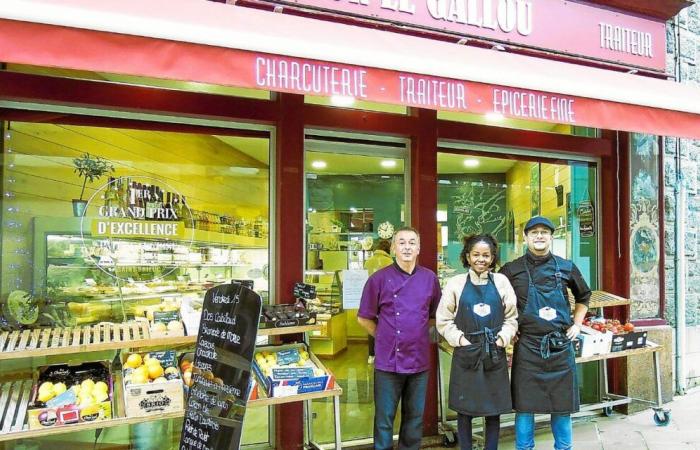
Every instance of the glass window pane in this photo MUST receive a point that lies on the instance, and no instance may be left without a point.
(480, 194)
(113, 225)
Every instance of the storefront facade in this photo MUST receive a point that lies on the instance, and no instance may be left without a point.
(240, 129)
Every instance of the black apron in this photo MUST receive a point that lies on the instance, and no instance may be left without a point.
(479, 374)
(544, 366)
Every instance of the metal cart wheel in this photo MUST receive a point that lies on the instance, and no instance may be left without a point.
(662, 417)
(608, 411)
(449, 439)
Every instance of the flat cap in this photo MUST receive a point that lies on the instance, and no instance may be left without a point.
(538, 220)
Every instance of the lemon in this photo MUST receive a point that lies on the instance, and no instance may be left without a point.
(133, 361)
(59, 388)
(100, 396)
(87, 385)
(102, 386)
(160, 380)
(155, 371)
(45, 396)
(152, 361)
(139, 378)
(46, 386)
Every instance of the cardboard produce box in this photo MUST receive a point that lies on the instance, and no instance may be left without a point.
(289, 370)
(592, 342)
(151, 387)
(66, 394)
(629, 341)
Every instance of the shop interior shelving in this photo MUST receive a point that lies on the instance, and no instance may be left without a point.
(599, 299)
(14, 394)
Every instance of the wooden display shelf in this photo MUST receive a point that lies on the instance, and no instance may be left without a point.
(95, 338)
(109, 423)
(269, 401)
(14, 432)
(602, 299)
(649, 348)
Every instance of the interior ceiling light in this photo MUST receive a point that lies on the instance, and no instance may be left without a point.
(388, 163)
(494, 117)
(471, 162)
(342, 100)
(319, 164)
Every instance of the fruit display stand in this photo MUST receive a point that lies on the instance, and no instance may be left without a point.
(15, 394)
(599, 299)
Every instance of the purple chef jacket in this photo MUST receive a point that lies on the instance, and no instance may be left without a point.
(401, 304)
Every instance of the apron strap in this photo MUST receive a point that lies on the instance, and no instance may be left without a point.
(557, 274)
(488, 342)
(552, 340)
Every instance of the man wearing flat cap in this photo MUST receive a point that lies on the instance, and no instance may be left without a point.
(543, 376)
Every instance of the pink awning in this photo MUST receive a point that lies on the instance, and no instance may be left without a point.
(196, 40)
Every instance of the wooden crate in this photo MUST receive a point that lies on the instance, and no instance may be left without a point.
(14, 398)
(152, 398)
(55, 338)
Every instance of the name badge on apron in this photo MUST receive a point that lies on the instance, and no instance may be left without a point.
(482, 309)
(548, 313)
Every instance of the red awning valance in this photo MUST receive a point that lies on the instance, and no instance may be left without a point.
(208, 42)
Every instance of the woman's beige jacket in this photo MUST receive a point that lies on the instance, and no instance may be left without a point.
(449, 303)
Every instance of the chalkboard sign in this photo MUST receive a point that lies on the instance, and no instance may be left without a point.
(221, 369)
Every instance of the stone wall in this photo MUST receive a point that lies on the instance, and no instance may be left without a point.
(682, 49)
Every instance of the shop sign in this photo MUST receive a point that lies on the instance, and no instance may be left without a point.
(127, 228)
(134, 221)
(555, 25)
(586, 223)
(328, 79)
(217, 400)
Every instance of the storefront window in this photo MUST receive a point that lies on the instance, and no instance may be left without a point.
(355, 194)
(498, 195)
(115, 226)
(480, 194)
(645, 246)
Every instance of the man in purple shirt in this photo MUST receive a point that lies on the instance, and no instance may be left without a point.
(398, 303)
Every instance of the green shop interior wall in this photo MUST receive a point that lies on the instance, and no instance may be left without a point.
(382, 193)
(476, 203)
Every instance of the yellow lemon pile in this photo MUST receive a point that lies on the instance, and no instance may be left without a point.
(146, 369)
(89, 393)
(49, 390)
(266, 361)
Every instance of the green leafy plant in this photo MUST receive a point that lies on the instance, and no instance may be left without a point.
(91, 168)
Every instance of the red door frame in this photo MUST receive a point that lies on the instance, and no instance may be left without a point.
(290, 116)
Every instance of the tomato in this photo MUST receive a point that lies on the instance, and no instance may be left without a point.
(628, 327)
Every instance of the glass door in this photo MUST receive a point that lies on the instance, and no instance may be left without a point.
(355, 193)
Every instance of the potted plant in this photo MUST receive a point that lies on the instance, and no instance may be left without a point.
(89, 168)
